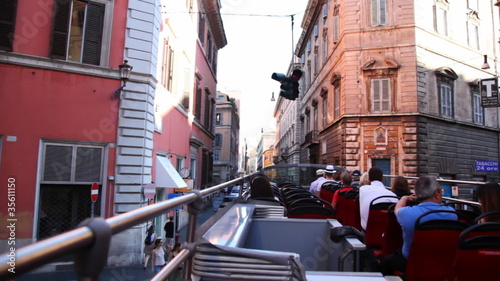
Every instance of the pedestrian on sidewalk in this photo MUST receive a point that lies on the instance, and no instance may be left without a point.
(169, 231)
(149, 244)
(172, 253)
(158, 257)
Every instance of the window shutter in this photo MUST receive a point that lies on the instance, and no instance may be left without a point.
(385, 95)
(376, 95)
(93, 33)
(374, 13)
(60, 29)
(7, 20)
(57, 166)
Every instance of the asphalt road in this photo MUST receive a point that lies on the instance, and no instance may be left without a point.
(124, 273)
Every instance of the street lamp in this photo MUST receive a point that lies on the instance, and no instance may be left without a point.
(125, 70)
(485, 64)
(272, 97)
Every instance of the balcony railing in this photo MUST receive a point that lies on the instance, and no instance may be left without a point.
(311, 138)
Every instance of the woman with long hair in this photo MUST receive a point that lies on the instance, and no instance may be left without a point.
(149, 244)
(488, 196)
(158, 256)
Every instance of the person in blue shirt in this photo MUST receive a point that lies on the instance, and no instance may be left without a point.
(429, 194)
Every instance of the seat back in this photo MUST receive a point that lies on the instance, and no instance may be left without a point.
(478, 253)
(311, 212)
(328, 188)
(489, 216)
(347, 209)
(433, 248)
(392, 239)
(377, 221)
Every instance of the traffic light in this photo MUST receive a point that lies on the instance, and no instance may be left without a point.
(289, 85)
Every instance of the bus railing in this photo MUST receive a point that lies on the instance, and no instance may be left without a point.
(90, 241)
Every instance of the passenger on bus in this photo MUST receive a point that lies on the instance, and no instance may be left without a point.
(369, 192)
(346, 182)
(363, 180)
(260, 187)
(400, 186)
(356, 174)
(321, 177)
(329, 174)
(488, 196)
(429, 194)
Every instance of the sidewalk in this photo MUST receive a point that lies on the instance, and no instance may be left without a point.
(123, 273)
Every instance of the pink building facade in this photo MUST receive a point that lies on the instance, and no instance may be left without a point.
(64, 127)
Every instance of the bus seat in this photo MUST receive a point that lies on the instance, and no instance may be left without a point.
(478, 253)
(433, 248)
(377, 221)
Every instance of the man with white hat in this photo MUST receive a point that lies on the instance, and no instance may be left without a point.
(314, 185)
(329, 172)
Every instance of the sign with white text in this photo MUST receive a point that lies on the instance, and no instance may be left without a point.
(487, 166)
(489, 92)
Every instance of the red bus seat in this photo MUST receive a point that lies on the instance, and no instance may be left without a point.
(432, 252)
(377, 222)
(478, 254)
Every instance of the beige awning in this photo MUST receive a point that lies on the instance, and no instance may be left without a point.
(167, 175)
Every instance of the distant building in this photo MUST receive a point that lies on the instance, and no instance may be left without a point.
(226, 142)
(265, 145)
(395, 84)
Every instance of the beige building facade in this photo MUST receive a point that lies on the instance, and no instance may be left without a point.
(397, 84)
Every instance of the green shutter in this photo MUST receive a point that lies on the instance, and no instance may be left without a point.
(60, 29)
(93, 33)
(7, 20)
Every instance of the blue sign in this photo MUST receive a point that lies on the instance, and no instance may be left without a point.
(173, 195)
(487, 166)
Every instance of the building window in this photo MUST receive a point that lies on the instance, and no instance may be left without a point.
(207, 109)
(198, 104)
(201, 27)
(441, 19)
(379, 12)
(72, 163)
(7, 22)
(216, 155)
(209, 48)
(473, 35)
(325, 108)
(478, 110)
(308, 122)
(78, 31)
(446, 77)
(218, 119)
(325, 47)
(167, 66)
(325, 10)
(381, 95)
(336, 101)
(446, 100)
(336, 29)
(315, 117)
(218, 140)
(385, 166)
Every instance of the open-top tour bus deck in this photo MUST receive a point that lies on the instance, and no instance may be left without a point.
(246, 240)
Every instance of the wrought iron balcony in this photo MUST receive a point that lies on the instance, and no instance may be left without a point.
(311, 138)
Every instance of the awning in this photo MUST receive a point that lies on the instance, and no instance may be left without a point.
(167, 175)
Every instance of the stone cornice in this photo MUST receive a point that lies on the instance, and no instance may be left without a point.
(212, 10)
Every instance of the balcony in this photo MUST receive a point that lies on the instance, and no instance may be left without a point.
(311, 139)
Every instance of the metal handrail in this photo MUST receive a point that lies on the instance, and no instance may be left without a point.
(43, 252)
(439, 180)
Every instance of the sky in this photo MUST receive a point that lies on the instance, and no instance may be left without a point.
(259, 42)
